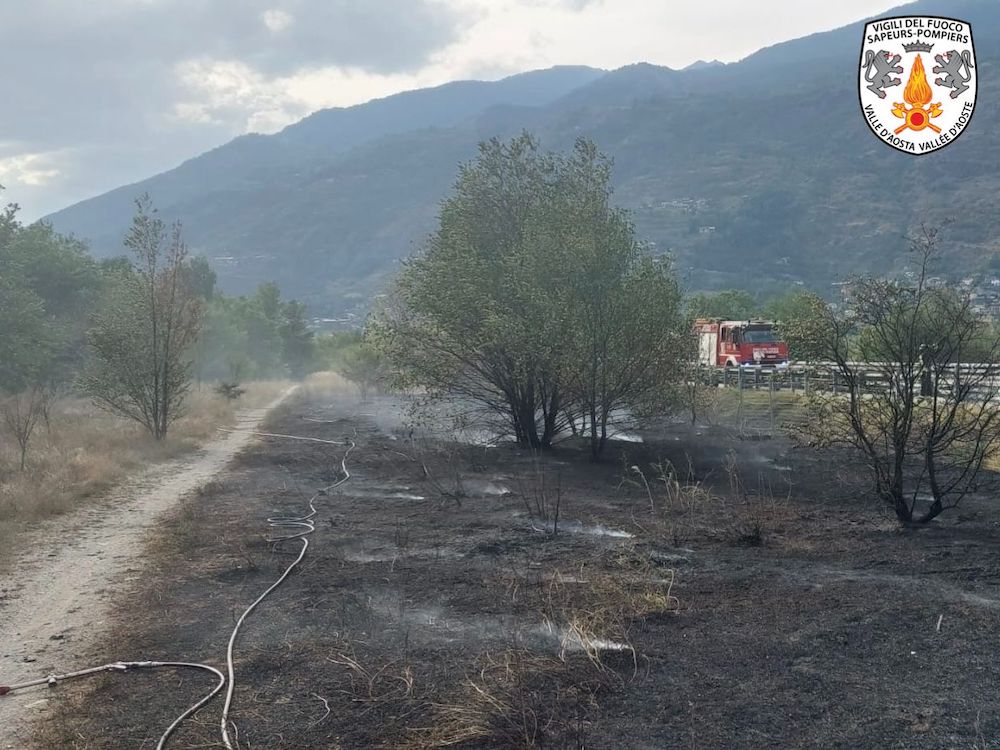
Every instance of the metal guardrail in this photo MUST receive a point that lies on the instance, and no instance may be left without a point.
(808, 377)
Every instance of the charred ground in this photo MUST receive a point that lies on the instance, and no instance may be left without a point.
(746, 598)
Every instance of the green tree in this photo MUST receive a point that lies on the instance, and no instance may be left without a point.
(332, 348)
(222, 350)
(621, 310)
(27, 340)
(532, 301)
(802, 323)
(732, 304)
(468, 316)
(255, 336)
(142, 335)
(40, 278)
(200, 278)
(297, 344)
(364, 366)
(9, 224)
(58, 269)
(261, 317)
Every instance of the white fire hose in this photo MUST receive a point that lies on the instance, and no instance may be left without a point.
(123, 666)
(297, 527)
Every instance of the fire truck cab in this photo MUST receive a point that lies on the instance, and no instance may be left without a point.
(733, 343)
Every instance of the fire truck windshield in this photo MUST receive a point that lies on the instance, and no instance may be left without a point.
(759, 336)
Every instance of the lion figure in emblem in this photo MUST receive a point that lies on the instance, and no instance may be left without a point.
(879, 68)
(958, 69)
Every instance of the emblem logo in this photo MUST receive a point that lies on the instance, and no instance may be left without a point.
(905, 106)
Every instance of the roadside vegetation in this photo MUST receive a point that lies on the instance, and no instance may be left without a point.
(108, 366)
(83, 452)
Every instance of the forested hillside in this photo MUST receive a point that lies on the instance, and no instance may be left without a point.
(756, 174)
(53, 295)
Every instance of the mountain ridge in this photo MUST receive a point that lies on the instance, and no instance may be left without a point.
(760, 172)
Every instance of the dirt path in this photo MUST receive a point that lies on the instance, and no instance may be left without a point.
(54, 602)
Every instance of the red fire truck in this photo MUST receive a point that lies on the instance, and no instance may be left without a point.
(732, 343)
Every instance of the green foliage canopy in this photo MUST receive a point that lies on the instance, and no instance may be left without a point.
(533, 302)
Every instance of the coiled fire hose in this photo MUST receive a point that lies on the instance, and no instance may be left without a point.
(298, 527)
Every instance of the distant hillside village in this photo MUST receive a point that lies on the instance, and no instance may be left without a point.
(985, 294)
(983, 290)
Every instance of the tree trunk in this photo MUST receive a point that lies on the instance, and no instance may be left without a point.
(551, 420)
(595, 442)
(894, 498)
(902, 508)
(525, 416)
(932, 512)
(937, 506)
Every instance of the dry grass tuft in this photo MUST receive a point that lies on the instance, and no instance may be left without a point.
(516, 699)
(594, 607)
(390, 682)
(681, 509)
(84, 451)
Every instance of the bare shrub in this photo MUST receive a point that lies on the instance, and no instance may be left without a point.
(695, 392)
(752, 510)
(542, 497)
(681, 507)
(922, 424)
(20, 414)
(142, 336)
(677, 502)
(231, 391)
(450, 487)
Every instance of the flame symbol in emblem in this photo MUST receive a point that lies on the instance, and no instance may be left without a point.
(917, 94)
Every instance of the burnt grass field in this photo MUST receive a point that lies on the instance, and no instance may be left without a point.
(731, 591)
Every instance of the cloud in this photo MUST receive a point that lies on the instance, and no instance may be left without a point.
(277, 20)
(275, 36)
(187, 74)
(32, 170)
(106, 92)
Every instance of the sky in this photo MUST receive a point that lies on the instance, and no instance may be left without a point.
(103, 93)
